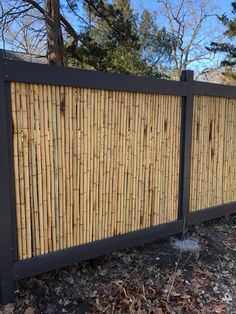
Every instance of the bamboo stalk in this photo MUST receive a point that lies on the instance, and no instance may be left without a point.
(177, 152)
(134, 157)
(126, 148)
(141, 154)
(43, 167)
(85, 157)
(51, 214)
(115, 167)
(21, 170)
(122, 108)
(170, 145)
(92, 169)
(106, 165)
(58, 157)
(130, 163)
(25, 138)
(70, 105)
(48, 167)
(155, 172)
(67, 168)
(79, 173)
(74, 168)
(63, 105)
(110, 166)
(146, 161)
(16, 136)
(89, 161)
(33, 233)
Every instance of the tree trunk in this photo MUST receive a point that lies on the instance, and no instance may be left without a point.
(56, 50)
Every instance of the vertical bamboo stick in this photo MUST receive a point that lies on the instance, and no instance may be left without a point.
(132, 114)
(134, 161)
(26, 169)
(52, 215)
(16, 137)
(79, 173)
(21, 170)
(115, 167)
(58, 108)
(33, 233)
(43, 167)
(111, 170)
(48, 166)
(90, 166)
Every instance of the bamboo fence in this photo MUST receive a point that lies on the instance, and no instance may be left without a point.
(91, 164)
(213, 170)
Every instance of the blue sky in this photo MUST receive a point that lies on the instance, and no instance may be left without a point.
(152, 3)
(222, 6)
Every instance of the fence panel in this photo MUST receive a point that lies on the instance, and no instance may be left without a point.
(95, 162)
(213, 169)
(91, 164)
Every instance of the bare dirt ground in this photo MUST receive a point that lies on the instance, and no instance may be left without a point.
(154, 278)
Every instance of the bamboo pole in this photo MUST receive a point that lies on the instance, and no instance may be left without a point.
(115, 166)
(126, 148)
(79, 173)
(130, 163)
(25, 169)
(108, 164)
(52, 214)
(43, 167)
(90, 167)
(59, 158)
(67, 167)
(48, 167)
(63, 105)
(74, 156)
(33, 233)
(21, 170)
(16, 136)
(70, 105)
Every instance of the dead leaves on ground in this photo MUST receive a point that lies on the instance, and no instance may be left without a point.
(153, 279)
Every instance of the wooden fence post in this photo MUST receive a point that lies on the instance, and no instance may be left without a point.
(7, 205)
(186, 146)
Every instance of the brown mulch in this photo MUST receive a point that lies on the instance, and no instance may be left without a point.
(154, 278)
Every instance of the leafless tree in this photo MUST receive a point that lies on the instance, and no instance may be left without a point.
(27, 35)
(190, 21)
(47, 11)
(55, 25)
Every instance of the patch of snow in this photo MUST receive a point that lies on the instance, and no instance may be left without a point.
(190, 244)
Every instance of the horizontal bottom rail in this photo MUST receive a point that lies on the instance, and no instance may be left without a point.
(211, 213)
(43, 263)
(50, 261)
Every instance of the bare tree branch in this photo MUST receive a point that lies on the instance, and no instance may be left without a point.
(185, 20)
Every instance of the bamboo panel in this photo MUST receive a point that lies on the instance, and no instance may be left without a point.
(91, 164)
(213, 157)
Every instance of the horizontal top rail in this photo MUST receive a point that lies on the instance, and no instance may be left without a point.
(217, 90)
(35, 73)
(19, 71)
